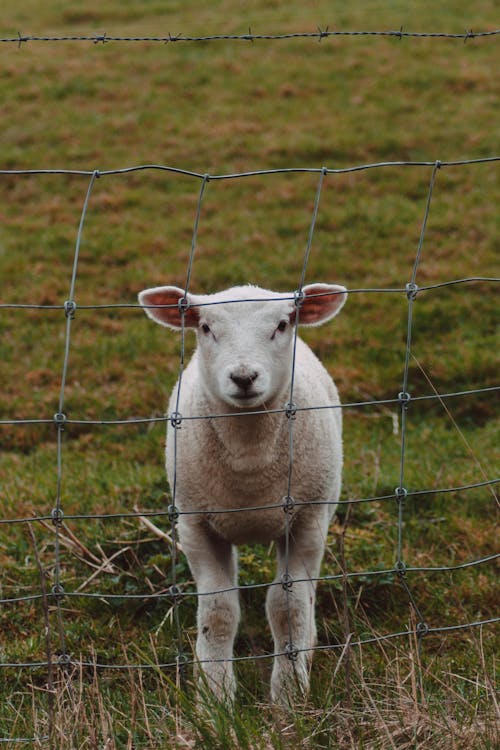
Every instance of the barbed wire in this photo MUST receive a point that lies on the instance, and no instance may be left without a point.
(401, 571)
(319, 34)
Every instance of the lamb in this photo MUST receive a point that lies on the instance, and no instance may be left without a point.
(241, 372)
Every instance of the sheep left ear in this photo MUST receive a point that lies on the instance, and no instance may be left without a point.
(321, 303)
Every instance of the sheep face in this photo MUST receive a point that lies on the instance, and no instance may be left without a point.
(244, 352)
(245, 336)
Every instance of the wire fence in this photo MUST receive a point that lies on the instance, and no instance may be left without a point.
(175, 593)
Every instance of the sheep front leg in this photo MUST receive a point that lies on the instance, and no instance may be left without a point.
(213, 563)
(290, 609)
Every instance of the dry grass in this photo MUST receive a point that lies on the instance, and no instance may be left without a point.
(398, 712)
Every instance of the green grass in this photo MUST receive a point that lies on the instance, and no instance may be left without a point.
(218, 108)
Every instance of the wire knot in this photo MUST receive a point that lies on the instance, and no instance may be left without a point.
(60, 420)
(298, 298)
(401, 493)
(173, 513)
(291, 652)
(70, 308)
(58, 591)
(288, 504)
(181, 660)
(404, 399)
(175, 592)
(422, 629)
(176, 420)
(57, 516)
(411, 290)
(401, 568)
(183, 304)
(290, 410)
(64, 660)
(286, 582)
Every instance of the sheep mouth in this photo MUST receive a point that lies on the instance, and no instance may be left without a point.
(251, 397)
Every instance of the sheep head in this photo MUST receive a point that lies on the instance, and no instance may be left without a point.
(245, 335)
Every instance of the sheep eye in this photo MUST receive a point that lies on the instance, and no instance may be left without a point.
(280, 328)
(205, 328)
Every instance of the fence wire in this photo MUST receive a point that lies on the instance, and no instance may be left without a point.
(177, 592)
(319, 34)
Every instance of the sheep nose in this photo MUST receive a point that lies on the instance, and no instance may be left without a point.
(244, 381)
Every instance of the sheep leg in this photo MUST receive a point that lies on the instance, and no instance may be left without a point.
(213, 563)
(290, 608)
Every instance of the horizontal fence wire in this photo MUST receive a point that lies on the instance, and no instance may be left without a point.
(318, 35)
(178, 591)
(259, 657)
(253, 173)
(247, 509)
(167, 594)
(131, 421)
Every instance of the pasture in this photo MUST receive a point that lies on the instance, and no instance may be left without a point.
(220, 108)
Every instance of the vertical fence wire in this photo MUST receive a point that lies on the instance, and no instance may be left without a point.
(405, 399)
(57, 514)
(176, 423)
(288, 500)
(60, 422)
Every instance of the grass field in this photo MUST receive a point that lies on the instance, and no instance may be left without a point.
(218, 108)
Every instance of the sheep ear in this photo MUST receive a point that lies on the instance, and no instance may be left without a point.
(321, 303)
(169, 316)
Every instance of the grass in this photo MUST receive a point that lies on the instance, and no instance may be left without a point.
(217, 108)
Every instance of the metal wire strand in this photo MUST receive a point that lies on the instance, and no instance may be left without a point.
(318, 35)
(405, 398)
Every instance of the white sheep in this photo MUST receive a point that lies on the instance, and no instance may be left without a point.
(242, 367)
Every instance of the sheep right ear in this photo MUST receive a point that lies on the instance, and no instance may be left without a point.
(161, 304)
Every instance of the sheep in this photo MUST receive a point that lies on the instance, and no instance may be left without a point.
(240, 379)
